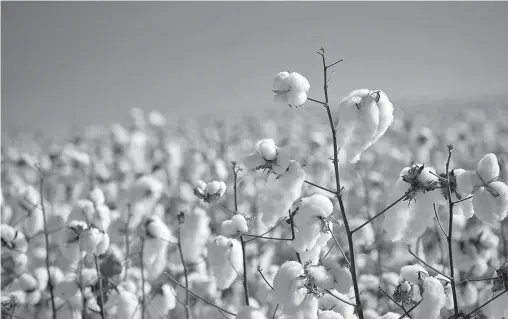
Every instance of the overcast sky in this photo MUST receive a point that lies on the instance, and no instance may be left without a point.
(71, 64)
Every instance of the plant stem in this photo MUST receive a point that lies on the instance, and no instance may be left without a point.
(50, 282)
(99, 278)
(450, 232)
(141, 253)
(181, 217)
(320, 187)
(378, 214)
(338, 193)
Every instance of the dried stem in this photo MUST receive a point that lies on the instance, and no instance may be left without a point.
(450, 232)
(340, 247)
(439, 221)
(50, 282)
(338, 187)
(320, 187)
(260, 271)
(480, 307)
(101, 292)
(181, 217)
(378, 214)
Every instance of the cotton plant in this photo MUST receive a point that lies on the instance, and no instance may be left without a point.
(290, 88)
(289, 286)
(363, 117)
(234, 226)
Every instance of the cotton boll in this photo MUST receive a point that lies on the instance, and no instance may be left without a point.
(13, 240)
(298, 82)
(195, 232)
(396, 218)
(267, 149)
(90, 239)
(156, 119)
(97, 196)
(277, 198)
(296, 98)
(342, 276)
(247, 312)
(433, 300)
(465, 180)
(309, 221)
(281, 82)
(308, 309)
(488, 168)
(413, 273)
(470, 295)
(385, 115)
(69, 242)
(328, 314)
(328, 302)
(128, 306)
(322, 277)
(288, 286)
(225, 258)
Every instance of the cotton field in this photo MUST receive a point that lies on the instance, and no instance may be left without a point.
(335, 210)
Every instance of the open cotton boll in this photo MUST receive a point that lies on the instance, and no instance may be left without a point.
(288, 286)
(156, 119)
(413, 273)
(277, 198)
(447, 290)
(309, 221)
(433, 300)
(328, 314)
(312, 255)
(267, 149)
(13, 241)
(465, 180)
(491, 202)
(488, 168)
(281, 82)
(195, 232)
(296, 98)
(298, 82)
(93, 241)
(69, 240)
(421, 216)
(128, 306)
(247, 312)
(385, 115)
(237, 224)
(308, 309)
(225, 259)
(322, 278)
(342, 278)
(97, 196)
(396, 218)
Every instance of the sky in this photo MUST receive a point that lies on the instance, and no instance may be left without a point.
(68, 65)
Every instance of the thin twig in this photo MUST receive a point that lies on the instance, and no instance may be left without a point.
(410, 309)
(181, 217)
(50, 282)
(423, 262)
(393, 300)
(480, 307)
(275, 311)
(450, 232)
(378, 214)
(268, 231)
(338, 188)
(198, 296)
(465, 281)
(340, 247)
(320, 187)
(260, 271)
(462, 200)
(339, 298)
(439, 221)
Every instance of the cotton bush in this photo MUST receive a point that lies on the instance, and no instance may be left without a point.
(362, 216)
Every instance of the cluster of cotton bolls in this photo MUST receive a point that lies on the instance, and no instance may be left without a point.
(290, 88)
(135, 222)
